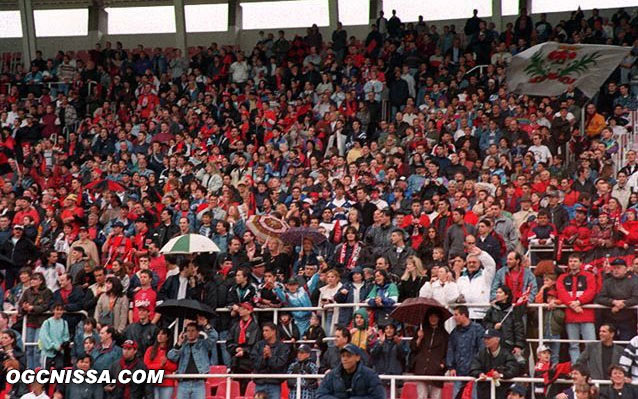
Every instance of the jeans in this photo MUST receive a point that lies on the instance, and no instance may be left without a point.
(554, 346)
(223, 336)
(575, 331)
(33, 351)
(163, 392)
(272, 391)
(191, 390)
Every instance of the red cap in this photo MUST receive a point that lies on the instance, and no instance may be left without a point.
(247, 306)
(128, 344)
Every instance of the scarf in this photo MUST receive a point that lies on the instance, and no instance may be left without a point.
(243, 327)
(127, 366)
(354, 257)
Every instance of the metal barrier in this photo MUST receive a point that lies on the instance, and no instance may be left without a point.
(392, 378)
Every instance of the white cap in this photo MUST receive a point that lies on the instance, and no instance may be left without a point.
(542, 348)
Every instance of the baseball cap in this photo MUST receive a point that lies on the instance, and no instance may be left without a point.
(129, 343)
(351, 348)
(118, 224)
(517, 389)
(305, 348)
(542, 348)
(619, 262)
(18, 226)
(492, 333)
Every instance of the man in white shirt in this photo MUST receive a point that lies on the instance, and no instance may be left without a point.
(541, 152)
(239, 70)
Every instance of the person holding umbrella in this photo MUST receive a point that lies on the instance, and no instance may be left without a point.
(192, 357)
(428, 349)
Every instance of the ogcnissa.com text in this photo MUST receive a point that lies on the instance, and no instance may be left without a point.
(77, 376)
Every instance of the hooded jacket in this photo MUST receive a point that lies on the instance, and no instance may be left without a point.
(360, 337)
(512, 328)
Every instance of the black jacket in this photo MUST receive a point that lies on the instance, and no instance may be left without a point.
(559, 216)
(143, 334)
(253, 333)
(74, 303)
(504, 363)
(163, 233)
(512, 328)
(625, 289)
(22, 253)
(170, 289)
(137, 391)
(277, 363)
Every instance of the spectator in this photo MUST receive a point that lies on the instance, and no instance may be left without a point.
(34, 303)
(383, 296)
(54, 339)
(499, 364)
(389, 352)
(82, 389)
(619, 386)
(575, 289)
(600, 356)
(191, 355)
(72, 298)
(475, 283)
(620, 293)
(242, 337)
(302, 365)
(518, 278)
(428, 349)
(465, 340)
(156, 358)
(112, 307)
(351, 377)
(129, 361)
(269, 356)
(107, 352)
(20, 250)
(142, 332)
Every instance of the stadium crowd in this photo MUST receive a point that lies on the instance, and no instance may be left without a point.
(425, 181)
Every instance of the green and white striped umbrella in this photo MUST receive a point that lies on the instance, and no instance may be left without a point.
(189, 244)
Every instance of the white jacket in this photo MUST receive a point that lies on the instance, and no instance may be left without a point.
(444, 294)
(477, 289)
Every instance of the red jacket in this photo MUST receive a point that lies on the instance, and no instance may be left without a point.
(580, 287)
(580, 232)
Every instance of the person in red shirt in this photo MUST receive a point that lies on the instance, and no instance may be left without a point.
(145, 296)
(23, 208)
(158, 263)
(147, 101)
(575, 289)
(72, 214)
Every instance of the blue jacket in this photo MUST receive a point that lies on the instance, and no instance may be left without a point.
(528, 280)
(388, 357)
(200, 350)
(463, 344)
(102, 360)
(365, 385)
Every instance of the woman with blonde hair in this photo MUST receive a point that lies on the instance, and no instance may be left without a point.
(412, 279)
(210, 177)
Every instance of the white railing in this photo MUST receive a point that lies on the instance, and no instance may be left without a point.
(392, 378)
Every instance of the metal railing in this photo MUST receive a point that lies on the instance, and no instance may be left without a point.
(391, 378)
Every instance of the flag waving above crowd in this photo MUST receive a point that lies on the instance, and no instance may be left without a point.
(548, 68)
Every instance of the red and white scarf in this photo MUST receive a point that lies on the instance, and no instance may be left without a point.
(352, 262)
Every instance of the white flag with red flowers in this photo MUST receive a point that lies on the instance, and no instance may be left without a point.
(548, 68)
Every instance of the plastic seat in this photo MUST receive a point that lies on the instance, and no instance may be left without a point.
(250, 391)
(447, 391)
(214, 383)
(284, 390)
(221, 391)
(409, 390)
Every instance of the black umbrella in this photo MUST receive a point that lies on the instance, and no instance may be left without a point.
(185, 309)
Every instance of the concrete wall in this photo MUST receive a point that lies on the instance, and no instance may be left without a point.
(246, 38)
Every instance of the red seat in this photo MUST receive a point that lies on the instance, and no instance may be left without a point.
(221, 391)
(284, 390)
(215, 382)
(447, 391)
(250, 391)
(409, 390)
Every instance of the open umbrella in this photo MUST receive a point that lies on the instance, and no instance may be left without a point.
(184, 309)
(189, 244)
(105, 184)
(413, 310)
(296, 235)
(266, 227)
